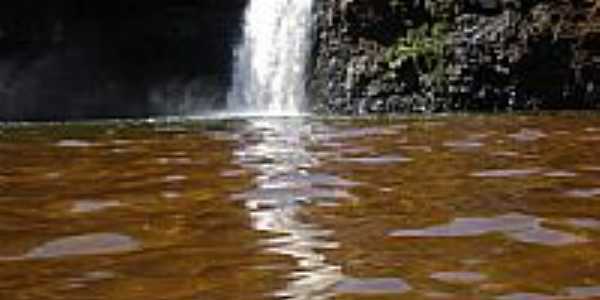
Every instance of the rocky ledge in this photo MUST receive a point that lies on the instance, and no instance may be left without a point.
(385, 56)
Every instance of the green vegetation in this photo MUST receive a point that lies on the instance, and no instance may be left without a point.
(425, 41)
(425, 47)
(425, 44)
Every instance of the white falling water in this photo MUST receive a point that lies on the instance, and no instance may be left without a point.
(271, 61)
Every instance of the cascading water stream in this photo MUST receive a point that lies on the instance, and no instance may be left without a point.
(271, 60)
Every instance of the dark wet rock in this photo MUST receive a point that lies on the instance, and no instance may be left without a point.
(413, 56)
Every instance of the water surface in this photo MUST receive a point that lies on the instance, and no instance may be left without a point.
(451, 207)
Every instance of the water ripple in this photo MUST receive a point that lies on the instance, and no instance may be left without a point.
(372, 286)
(280, 159)
(82, 245)
(459, 277)
(522, 228)
(505, 173)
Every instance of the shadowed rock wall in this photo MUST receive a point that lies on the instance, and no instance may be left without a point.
(381, 56)
(75, 59)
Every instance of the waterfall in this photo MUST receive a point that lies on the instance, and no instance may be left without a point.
(271, 60)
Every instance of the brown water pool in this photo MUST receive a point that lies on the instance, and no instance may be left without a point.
(500, 207)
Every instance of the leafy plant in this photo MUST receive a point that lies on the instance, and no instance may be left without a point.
(427, 42)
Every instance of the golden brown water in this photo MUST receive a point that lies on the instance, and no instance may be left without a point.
(456, 207)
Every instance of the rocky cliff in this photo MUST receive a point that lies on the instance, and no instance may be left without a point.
(381, 56)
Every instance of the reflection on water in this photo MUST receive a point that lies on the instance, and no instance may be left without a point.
(585, 223)
(523, 228)
(459, 277)
(560, 174)
(456, 207)
(376, 160)
(468, 144)
(584, 193)
(575, 293)
(74, 144)
(89, 244)
(506, 173)
(486, 208)
(278, 154)
(528, 135)
(372, 286)
(89, 206)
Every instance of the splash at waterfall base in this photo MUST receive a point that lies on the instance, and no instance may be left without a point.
(269, 75)
(382, 56)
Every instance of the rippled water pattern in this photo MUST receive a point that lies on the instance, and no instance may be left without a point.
(456, 207)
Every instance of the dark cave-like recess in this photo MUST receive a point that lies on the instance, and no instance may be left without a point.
(80, 59)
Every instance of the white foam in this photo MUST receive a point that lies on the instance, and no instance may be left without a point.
(270, 67)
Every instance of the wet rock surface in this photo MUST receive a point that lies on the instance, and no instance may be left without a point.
(400, 56)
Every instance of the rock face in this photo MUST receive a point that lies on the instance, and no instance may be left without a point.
(381, 56)
(71, 59)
